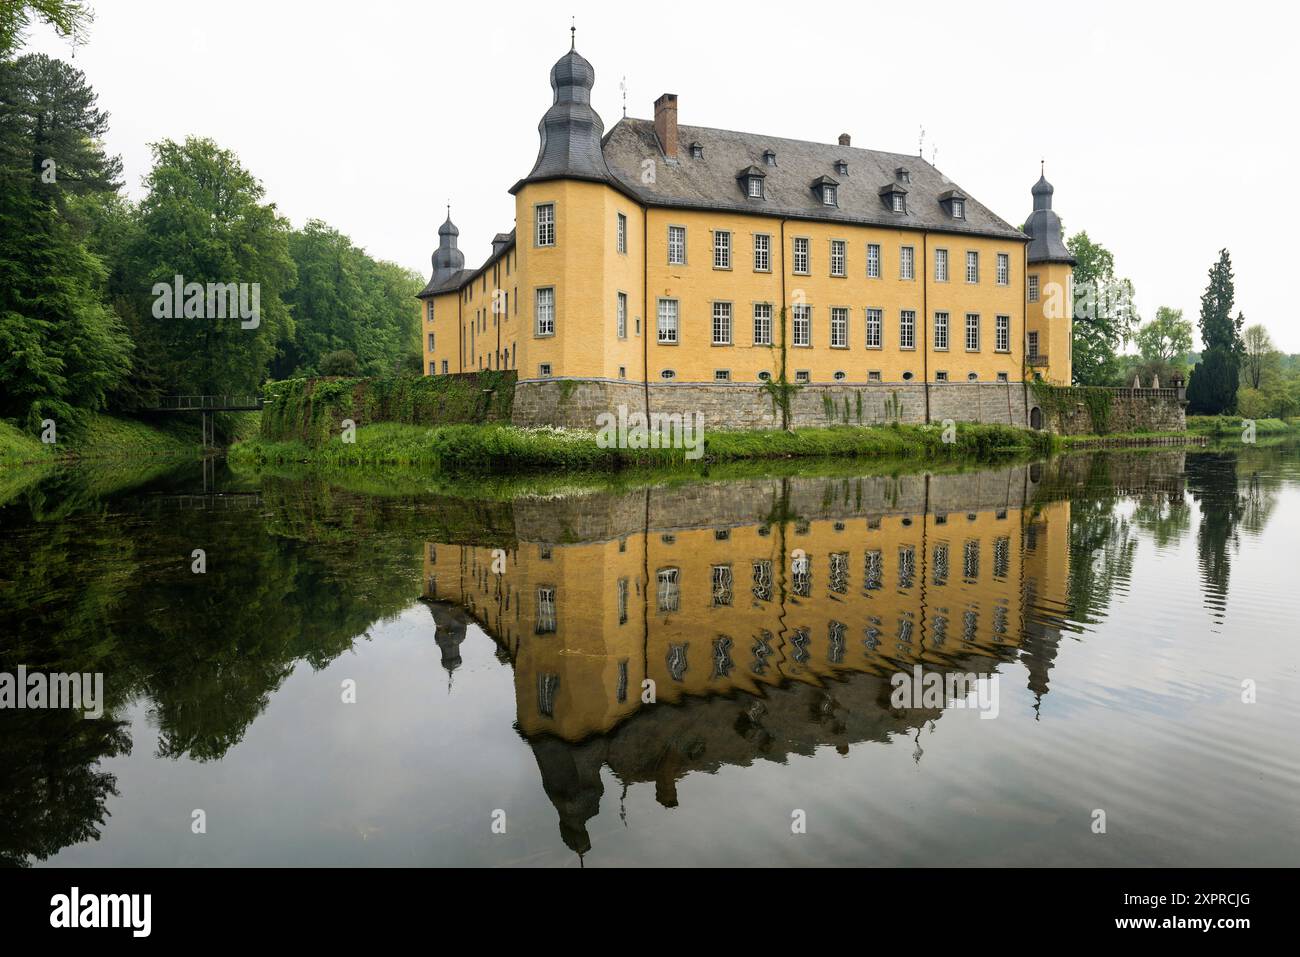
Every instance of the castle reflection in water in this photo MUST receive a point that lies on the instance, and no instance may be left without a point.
(769, 613)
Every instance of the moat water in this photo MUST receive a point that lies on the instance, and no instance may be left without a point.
(384, 671)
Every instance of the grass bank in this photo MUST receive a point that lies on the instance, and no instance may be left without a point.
(1231, 426)
(503, 449)
(101, 437)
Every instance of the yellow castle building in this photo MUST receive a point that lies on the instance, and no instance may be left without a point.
(757, 280)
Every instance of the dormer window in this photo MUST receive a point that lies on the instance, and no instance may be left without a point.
(954, 203)
(769, 158)
(826, 190)
(894, 197)
(751, 181)
(841, 168)
(903, 174)
(697, 151)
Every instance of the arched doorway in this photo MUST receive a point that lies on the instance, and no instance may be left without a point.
(1036, 418)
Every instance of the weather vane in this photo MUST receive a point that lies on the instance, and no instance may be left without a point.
(573, 33)
(920, 146)
(623, 86)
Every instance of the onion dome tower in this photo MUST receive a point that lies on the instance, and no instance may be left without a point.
(571, 130)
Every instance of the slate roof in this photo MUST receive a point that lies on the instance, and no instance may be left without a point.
(1044, 229)
(463, 277)
(710, 182)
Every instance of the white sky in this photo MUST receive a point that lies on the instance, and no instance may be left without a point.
(1168, 139)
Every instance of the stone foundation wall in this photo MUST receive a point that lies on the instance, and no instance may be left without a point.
(1147, 410)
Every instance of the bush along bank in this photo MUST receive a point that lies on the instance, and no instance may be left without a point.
(312, 411)
(498, 448)
(101, 436)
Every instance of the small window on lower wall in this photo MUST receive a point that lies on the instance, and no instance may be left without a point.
(433, 370)
(544, 370)
(972, 376)
(803, 376)
(907, 377)
(873, 376)
(721, 375)
(941, 377)
(839, 376)
(622, 372)
(1003, 377)
(765, 377)
(668, 374)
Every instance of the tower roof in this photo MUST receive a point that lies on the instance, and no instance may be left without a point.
(1044, 228)
(570, 130)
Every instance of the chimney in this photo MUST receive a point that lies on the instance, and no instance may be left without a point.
(666, 124)
(844, 139)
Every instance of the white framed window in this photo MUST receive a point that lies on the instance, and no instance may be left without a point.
(762, 252)
(1033, 344)
(721, 375)
(433, 367)
(762, 323)
(1004, 269)
(972, 266)
(801, 325)
(873, 260)
(429, 304)
(897, 202)
(1002, 333)
(972, 332)
(431, 342)
(621, 233)
(958, 209)
(828, 195)
(907, 329)
(756, 187)
(803, 375)
(544, 312)
(722, 323)
(837, 257)
(800, 257)
(668, 374)
(668, 321)
(545, 224)
(907, 262)
(941, 265)
(873, 375)
(941, 377)
(839, 327)
(875, 320)
(941, 331)
(721, 249)
(620, 317)
(1033, 287)
(444, 366)
(668, 592)
(544, 370)
(676, 245)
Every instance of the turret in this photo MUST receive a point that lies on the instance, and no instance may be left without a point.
(1049, 293)
(570, 130)
(1044, 228)
(447, 259)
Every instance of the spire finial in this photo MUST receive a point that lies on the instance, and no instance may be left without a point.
(1042, 167)
(573, 33)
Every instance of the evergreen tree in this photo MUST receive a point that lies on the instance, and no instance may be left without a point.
(1212, 389)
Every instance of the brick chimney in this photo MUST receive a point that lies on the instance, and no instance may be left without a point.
(666, 124)
(844, 139)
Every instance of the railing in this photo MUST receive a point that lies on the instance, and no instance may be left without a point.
(208, 403)
(1036, 360)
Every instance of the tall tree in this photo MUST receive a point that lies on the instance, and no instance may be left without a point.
(1212, 389)
(1166, 338)
(1259, 354)
(1103, 312)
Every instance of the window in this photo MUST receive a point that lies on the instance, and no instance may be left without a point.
(801, 256)
(621, 233)
(697, 151)
(430, 307)
(959, 209)
(668, 321)
(839, 327)
(1004, 269)
(972, 332)
(544, 370)
(433, 368)
(837, 257)
(546, 224)
(873, 375)
(676, 245)
(873, 260)
(941, 265)
(756, 187)
(620, 320)
(842, 167)
(802, 326)
(722, 585)
(907, 377)
(721, 375)
(941, 377)
(1033, 288)
(897, 202)
(875, 319)
(972, 267)
(431, 342)
(669, 595)
(545, 312)
(765, 376)
(622, 372)
(802, 376)
(941, 331)
(907, 262)
(1033, 345)
(769, 158)
(722, 323)
(1002, 333)
(668, 374)
(840, 376)
(907, 329)
(762, 252)
(1003, 377)
(721, 249)
(762, 323)
(972, 376)
(828, 195)
(444, 366)
(545, 610)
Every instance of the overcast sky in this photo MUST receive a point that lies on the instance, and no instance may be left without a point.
(1170, 134)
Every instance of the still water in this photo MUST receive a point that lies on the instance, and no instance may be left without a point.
(681, 673)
